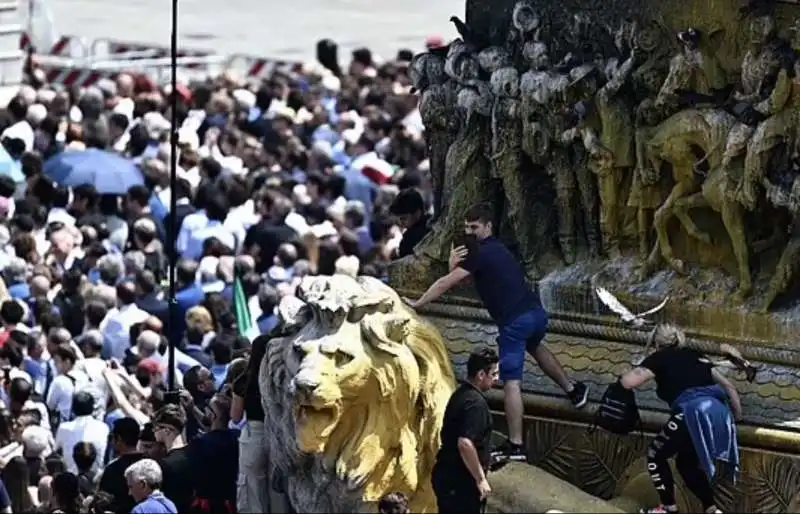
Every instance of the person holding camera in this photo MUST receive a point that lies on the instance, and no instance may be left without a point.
(516, 309)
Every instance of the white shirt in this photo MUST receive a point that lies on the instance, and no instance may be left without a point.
(60, 214)
(239, 219)
(117, 328)
(216, 229)
(39, 406)
(83, 429)
(191, 223)
(93, 368)
(59, 397)
(21, 130)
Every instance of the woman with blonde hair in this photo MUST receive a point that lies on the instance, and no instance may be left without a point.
(701, 428)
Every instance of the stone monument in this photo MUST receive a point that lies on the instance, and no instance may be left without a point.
(354, 389)
(649, 147)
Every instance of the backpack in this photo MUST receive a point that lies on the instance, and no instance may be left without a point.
(618, 412)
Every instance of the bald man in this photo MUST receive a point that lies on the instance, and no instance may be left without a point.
(40, 286)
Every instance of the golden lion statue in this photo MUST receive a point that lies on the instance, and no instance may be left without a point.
(354, 392)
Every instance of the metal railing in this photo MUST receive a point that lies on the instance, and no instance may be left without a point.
(158, 68)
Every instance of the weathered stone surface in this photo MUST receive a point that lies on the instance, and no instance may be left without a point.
(523, 488)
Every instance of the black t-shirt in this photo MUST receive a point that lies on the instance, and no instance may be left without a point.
(467, 415)
(113, 482)
(246, 386)
(215, 464)
(178, 483)
(412, 236)
(676, 370)
(268, 236)
(500, 281)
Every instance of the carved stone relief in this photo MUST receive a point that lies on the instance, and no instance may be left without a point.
(650, 137)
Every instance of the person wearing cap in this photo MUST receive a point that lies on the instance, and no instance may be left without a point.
(83, 429)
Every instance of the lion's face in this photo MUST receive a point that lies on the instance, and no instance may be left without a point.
(354, 394)
(348, 356)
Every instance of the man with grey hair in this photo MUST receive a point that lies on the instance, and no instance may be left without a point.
(144, 480)
(110, 268)
(134, 261)
(15, 275)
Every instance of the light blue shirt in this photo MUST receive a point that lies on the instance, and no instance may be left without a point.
(191, 223)
(220, 371)
(196, 238)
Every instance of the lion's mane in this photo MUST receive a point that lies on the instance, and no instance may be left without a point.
(387, 396)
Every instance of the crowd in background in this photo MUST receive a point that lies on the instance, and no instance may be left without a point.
(313, 171)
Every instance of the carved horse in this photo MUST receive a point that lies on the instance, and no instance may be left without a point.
(686, 140)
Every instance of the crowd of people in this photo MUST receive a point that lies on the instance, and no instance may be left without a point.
(316, 170)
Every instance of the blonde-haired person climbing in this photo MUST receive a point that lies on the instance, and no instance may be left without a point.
(701, 429)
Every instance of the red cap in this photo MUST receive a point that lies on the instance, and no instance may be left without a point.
(432, 42)
(151, 366)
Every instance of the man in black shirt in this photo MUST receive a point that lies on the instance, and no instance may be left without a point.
(409, 207)
(124, 438)
(252, 457)
(169, 423)
(459, 475)
(265, 237)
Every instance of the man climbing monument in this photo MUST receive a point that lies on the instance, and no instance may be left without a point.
(516, 309)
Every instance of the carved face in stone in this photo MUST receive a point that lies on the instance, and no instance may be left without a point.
(476, 100)
(505, 83)
(535, 54)
(493, 58)
(524, 18)
(349, 355)
(648, 37)
(761, 29)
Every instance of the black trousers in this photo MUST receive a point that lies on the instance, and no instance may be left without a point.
(675, 440)
(457, 496)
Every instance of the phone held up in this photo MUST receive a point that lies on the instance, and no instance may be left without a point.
(469, 241)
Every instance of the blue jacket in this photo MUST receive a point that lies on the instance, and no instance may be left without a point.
(710, 426)
(187, 298)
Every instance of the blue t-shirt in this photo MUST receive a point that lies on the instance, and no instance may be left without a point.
(156, 503)
(500, 281)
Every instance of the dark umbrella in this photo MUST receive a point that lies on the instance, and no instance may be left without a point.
(108, 172)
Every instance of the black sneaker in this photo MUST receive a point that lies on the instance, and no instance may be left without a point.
(509, 451)
(579, 395)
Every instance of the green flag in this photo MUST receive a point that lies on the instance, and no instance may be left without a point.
(244, 321)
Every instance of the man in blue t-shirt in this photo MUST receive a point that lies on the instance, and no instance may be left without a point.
(516, 309)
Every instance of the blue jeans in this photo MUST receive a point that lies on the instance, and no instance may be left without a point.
(515, 338)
